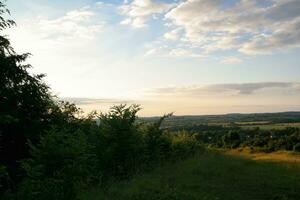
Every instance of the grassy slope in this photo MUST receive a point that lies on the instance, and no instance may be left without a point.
(209, 176)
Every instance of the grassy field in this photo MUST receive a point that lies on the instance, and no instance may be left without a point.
(270, 126)
(209, 176)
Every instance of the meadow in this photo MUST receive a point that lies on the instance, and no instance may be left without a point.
(270, 126)
(210, 175)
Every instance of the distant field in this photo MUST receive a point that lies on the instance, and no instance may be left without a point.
(211, 176)
(253, 123)
(271, 126)
(264, 121)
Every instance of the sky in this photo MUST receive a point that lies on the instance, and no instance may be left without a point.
(184, 56)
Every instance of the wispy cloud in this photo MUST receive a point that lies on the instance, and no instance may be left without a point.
(221, 89)
(86, 101)
(74, 24)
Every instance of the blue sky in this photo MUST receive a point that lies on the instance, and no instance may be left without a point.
(189, 56)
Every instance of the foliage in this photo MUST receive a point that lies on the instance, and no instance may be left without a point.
(231, 139)
(184, 145)
(61, 164)
(120, 150)
(25, 102)
(297, 147)
(27, 108)
(157, 144)
(70, 159)
(266, 140)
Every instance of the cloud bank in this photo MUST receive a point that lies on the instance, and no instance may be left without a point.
(209, 99)
(221, 89)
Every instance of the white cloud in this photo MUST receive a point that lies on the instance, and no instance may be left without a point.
(139, 11)
(126, 21)
(172, 35)
(249, 26)
(74, 24)
(285, 36)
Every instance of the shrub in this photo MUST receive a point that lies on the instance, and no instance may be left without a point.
(157, 144)
(61, 164)
(123, 144)
(297, 147)
(184, 145)
(4, 178)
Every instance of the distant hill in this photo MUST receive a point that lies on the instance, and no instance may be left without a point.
(281, 117)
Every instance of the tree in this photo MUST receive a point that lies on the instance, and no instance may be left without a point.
(25, 102)
(122, 143)
(157, 145)
(297, 147)
(231, 139)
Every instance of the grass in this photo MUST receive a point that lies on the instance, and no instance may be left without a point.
(277, 156)
(209, 176)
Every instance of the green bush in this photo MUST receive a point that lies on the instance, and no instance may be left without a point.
(157, 144)
(61, 165)
(4, 177)
(184, 145)
(122, 148)
(296, 147)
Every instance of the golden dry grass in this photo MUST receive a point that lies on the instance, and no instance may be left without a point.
(279, 156)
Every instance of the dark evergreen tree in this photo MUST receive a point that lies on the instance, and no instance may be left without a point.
(25, 103)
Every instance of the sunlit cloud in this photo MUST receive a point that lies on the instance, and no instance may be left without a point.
(251, 27)
(138, 12)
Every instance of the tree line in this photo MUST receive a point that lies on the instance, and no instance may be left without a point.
(235, 137)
